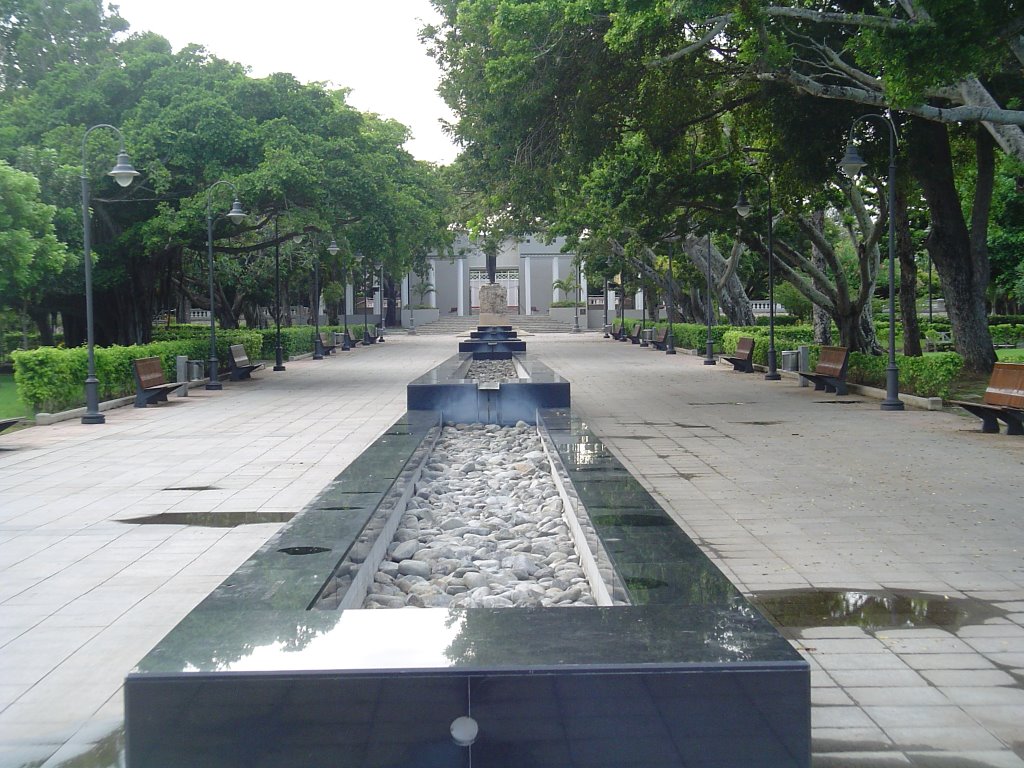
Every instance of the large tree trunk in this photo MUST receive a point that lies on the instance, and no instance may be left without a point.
(958, 253)
(908, 276)
(732, 297)
(820, 317)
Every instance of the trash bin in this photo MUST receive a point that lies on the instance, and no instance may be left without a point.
(646, 335)
(790, 360)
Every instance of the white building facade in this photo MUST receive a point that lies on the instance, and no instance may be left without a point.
(526, 267)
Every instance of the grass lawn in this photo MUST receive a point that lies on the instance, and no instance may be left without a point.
(10, 405)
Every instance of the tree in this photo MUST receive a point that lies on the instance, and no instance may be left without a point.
(30, 254)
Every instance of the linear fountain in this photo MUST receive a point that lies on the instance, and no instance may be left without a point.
(672, 667)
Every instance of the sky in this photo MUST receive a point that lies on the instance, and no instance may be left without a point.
(368, 46)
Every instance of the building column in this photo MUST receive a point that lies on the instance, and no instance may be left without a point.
(527, 286)
(350, 299)
(555, 277)
(638, 301)
(462, 286)
(583, 287)
(432, 279)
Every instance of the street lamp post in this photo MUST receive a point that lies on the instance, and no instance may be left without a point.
(606, 335)
(278, 351)
(670, 343)
(851, 165)
(743, 209)
(122, 173)
(318, 345)
(333, 249)
(709, 343)
(383, 317)
(622, 309)
(235, 215)
(367, 339)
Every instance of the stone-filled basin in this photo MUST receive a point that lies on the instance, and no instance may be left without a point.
(688, 674)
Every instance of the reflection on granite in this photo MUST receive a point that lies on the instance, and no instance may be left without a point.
(688, 675)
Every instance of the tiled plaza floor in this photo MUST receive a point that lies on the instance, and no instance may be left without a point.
(820, 507)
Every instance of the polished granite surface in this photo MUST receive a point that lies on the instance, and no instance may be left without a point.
(689, 674)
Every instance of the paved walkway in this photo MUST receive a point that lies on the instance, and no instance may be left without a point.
(793, 493)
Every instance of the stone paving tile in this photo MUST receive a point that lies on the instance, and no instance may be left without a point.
(774, 496)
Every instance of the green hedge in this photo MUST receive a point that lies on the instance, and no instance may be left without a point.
(52, 379)
(928, 376)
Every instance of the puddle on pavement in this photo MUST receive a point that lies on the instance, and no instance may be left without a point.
(872, 610)
(211, 519)
(635, 521)
(192, 488)
(838, 402)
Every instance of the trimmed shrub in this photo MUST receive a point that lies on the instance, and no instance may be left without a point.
(780, 320)
(52, 379)
(928, 376)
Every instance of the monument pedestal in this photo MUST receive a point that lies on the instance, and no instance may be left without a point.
(493, 304)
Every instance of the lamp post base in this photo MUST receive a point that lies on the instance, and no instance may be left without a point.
(278, 358)
(94, 418)
(215, 385)
(670, 351)
(773, 371)
(709, 354)
(892, 400)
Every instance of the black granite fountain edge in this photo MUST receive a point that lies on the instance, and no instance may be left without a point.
(230, 677)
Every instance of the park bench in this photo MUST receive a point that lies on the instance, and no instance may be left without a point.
(616, 330)
(150, 384)
(743, 360)
(938, 341)
(239, 363)
(347, 335)
(830, 372)
(1003, 400)
(5, 423)
(327, 343)
(634, 335)
(659, 339)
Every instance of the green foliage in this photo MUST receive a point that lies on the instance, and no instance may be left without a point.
(927, 376)
(798, 305)
(1006, 333)
(780, 320)
(30, 254)
(52, 379)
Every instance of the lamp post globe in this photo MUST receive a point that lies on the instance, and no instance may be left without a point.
(123, 173)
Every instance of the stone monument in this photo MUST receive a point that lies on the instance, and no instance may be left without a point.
(493, 305)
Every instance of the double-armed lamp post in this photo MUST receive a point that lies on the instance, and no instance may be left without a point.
(743, 208)
(123, 173)
(851, 165)
(236, 215)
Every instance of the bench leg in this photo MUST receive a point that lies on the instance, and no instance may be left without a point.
(841, 387)
(141, 400)
(989, 423)
(1014, 425)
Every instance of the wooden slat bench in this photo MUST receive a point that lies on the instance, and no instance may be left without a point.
(150, 384)
(634, 335)
(659, 339)
(347, 336)
(743, 360)
(238, 360)
(5, 423)
(1003, 400)
(616, 330)
(830, 372)
(327, 342)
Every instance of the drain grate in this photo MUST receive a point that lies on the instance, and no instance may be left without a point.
(192, 488)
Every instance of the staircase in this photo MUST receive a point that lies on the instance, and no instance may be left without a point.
(453, 325)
